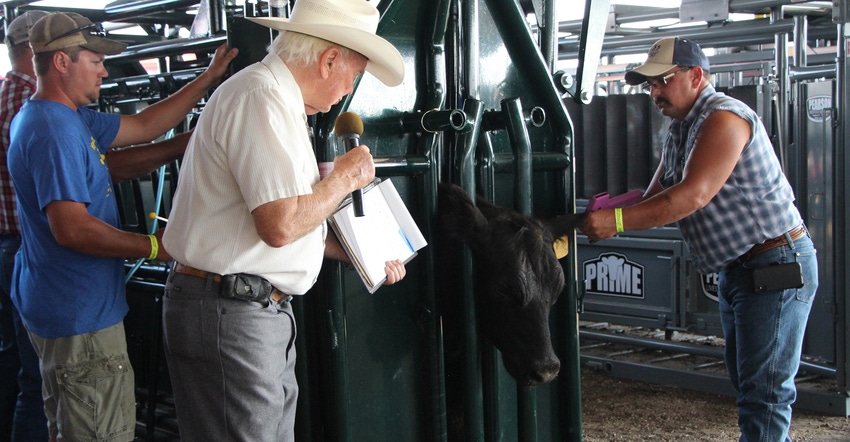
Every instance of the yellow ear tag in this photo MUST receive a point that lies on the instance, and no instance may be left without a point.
(562, 246)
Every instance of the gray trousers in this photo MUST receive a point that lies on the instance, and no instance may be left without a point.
(231, 362)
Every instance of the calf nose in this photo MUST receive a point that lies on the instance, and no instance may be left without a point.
(544, 373)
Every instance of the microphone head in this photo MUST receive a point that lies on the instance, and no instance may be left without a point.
(348, 123)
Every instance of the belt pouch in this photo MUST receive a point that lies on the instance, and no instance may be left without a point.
(778, 277)
(245, 287)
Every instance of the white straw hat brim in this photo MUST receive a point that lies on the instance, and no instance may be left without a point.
(384, 60)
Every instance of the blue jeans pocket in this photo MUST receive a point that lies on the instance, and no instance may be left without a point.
(807, 259)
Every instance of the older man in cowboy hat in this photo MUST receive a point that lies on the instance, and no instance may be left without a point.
(69, 272)
(247, 227)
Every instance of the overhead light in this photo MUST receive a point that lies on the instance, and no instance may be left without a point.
(78, 4)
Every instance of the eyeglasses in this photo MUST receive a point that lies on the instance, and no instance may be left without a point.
(658, 82)
(95, 29)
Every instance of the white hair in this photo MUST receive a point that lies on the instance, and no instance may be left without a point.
(302, 49)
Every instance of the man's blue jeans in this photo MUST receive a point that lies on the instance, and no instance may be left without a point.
(30, 423)
(9, 359)
(764, 338)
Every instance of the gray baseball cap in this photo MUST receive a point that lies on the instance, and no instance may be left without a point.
(18, 31)
(60, 30)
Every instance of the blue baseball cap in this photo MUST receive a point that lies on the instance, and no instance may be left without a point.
(665, 55)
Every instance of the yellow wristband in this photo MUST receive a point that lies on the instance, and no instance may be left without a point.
(618, 218)
(154, 247)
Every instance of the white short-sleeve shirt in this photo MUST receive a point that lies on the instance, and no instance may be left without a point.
(251, 146)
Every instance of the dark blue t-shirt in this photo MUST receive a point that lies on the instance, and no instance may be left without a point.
(58, 154)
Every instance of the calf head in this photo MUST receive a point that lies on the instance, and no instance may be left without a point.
(517, 278)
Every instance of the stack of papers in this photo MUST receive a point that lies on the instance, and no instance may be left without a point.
(385, 232)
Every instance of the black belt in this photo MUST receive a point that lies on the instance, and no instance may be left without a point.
(275, 294)
(781, 240)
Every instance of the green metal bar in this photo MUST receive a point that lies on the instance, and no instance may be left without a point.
(571, 362)
(430, 147)
(570, 391)
(495, 120)
(486, 166)
(473, 396)
(490, 360)
(402, 165)
(490, 357)
(468, 144)
(549, 34)
(526, 414)
(339, 359)
(521, 147)
(503, 163)
(471, 46)
(842, 189)
(434, 121)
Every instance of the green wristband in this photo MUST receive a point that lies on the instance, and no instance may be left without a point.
(618, 219)
(154, 247)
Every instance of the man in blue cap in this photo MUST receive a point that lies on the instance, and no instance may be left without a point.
(719, 178)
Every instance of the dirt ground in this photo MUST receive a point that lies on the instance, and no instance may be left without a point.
(614, 409)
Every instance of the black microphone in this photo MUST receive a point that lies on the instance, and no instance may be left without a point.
(349, 126)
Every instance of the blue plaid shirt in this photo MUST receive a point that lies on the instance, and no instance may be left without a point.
(755, 204)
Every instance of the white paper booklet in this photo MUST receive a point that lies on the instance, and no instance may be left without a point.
(385, 232)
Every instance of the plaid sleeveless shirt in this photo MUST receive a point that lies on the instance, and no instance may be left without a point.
(755, 204)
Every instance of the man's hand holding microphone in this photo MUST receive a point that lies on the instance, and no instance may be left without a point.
(348, 127)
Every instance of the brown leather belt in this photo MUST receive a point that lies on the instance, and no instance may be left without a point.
(795, 234)
(276, 295)
(191, 271)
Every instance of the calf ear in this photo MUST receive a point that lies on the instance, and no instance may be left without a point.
(457, 215)
(563, 224)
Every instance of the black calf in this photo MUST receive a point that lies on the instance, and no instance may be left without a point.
(517, 278)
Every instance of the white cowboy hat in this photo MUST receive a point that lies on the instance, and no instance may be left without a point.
(349, 23)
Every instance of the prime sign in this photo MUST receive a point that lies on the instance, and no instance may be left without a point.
(613, 274)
